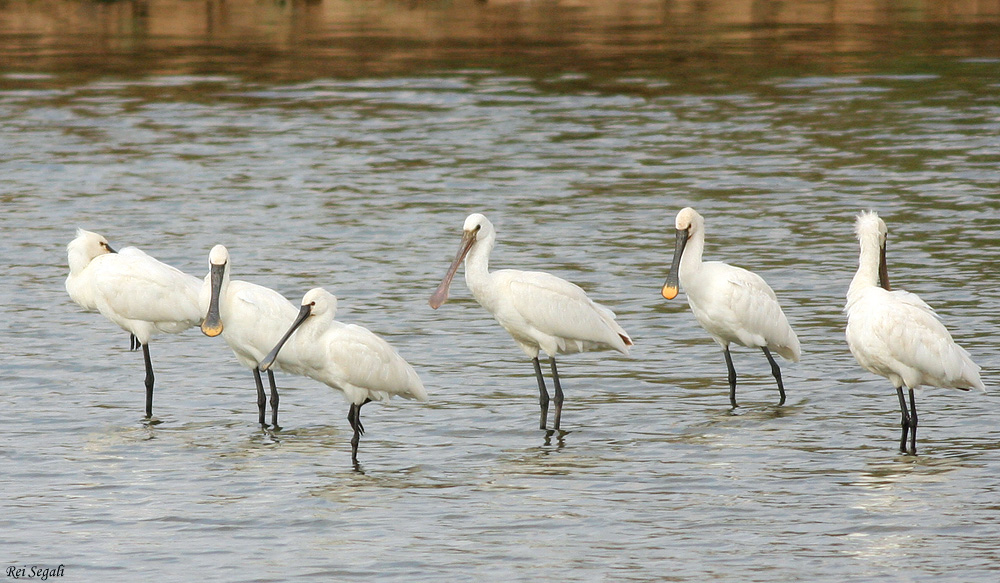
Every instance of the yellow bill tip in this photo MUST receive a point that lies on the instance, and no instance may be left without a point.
(669, 292)
(211, 330)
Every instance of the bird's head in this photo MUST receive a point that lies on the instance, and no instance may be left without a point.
(84, 248)
(218, 263)
(687, 223)
(476, 228)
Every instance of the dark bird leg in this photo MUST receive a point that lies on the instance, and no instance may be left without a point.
(543, 395)
(559, 393)
(777, 374)
(732, 376)
(149, 380)
(905, 422)
(274, 398)
(261, 400)
(133, 342)
(354, 417)
(913, 424)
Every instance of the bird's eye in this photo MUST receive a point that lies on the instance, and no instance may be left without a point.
(478, 227)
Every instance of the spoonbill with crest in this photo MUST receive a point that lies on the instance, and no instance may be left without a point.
(730, 303)
(896, 335)
(142, 295)
(251, 319)
(539, 310)
(346, 357)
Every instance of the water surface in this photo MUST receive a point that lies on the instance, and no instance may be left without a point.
(341, 145)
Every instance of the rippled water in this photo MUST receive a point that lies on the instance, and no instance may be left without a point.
(360, 183)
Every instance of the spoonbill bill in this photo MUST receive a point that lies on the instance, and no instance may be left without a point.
(251, 319)
(346, 357)
(896, 335)
(133, 290)
(539, 310)
(730, 303)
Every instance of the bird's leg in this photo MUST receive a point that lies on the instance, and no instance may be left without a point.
(133, 342)
(777, 374)
(261, 400)
(354, 417)
(149, 380)
(732, 376)
(274, 398)
(913, 424)
(543, 395)
(905, 423)
(559, 393)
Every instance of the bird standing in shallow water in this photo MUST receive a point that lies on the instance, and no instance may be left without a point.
(251, 319)
(346, 357)
(731, 303)
(539, 310)
(896, 335)
(142, 295)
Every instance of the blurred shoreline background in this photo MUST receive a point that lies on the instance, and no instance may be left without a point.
(299, 39)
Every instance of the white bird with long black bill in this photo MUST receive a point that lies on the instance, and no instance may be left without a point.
(730, 303)
(251, 319)
(539, 310)
(346, 357)
(142, 295)
(896, 335)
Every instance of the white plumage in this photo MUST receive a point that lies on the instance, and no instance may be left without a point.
(251, 319)
(346, 357)
(732, 304)
(540, 311)
(142, 295)
(896, 335)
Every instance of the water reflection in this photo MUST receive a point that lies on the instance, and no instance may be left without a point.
(560, 436)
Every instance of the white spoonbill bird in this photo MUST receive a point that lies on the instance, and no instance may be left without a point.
(896, 335)
(133, 290)
(346, 357)
(730, 303)
(540, 310)
(251, 319)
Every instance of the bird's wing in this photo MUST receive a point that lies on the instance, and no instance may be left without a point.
(930, 346)
(901, 328)
(741, 303)
(255, 319)
(363, 359)
(139, 287)
(560, 308)
(750, 281)
(262, 302)
(912, 299)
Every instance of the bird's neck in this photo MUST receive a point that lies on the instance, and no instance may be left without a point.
(691, 259)
(477, 265)
(78, 261)
(867, 274)
(319, 324)
(305, 342)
